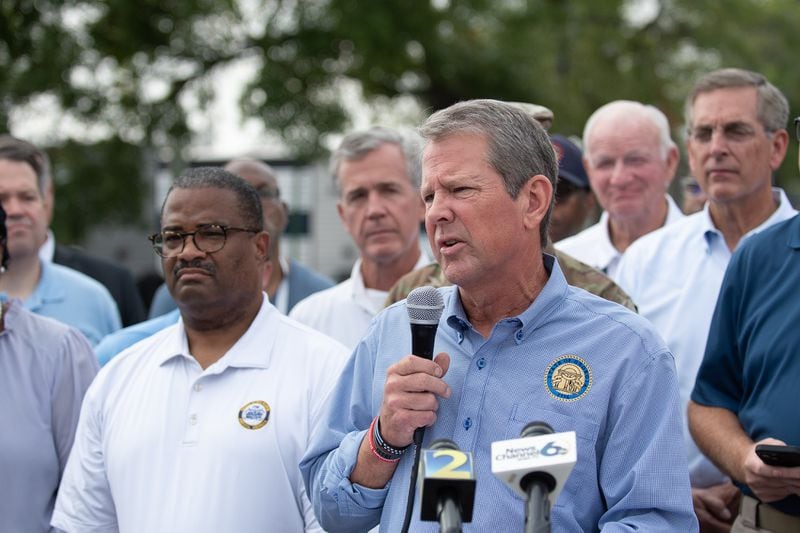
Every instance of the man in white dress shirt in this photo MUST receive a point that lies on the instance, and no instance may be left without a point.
(377, 172)
(201, 427)
(737, 137)
(631, 160)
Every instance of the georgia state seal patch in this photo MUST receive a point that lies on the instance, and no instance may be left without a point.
(568, 378)
(254, 415)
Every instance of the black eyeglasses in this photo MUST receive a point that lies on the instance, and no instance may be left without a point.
(797, 128)
(208, 238)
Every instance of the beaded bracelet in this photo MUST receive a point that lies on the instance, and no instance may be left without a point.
(380, 448)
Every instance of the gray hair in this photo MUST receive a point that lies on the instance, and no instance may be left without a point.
(13, 149)
(772, 109)
(518, 145)
(356, 145)
(247, 201)
(629, 107)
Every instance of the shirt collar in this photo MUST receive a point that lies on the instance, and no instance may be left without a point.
(48, 250)
(551, 294)
(783, 211)
(47, 290)
(357, 288)
(252, 350)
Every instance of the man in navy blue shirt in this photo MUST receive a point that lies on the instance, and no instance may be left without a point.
(746, 391)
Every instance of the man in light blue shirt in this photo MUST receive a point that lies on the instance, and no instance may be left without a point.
(737, 137)
(45, 288)
(511, 325)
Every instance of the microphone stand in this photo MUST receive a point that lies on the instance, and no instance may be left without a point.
(449, 515)
(537, 508)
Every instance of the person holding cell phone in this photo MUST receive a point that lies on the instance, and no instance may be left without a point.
(743, 412)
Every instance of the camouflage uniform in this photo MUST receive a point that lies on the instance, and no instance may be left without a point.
(577, 273)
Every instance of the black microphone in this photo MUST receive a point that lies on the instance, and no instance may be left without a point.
(448, 486)
(536, 466)
(424, 306)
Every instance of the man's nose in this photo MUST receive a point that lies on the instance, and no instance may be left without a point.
(376, 205)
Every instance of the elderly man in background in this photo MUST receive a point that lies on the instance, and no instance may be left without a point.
(45, 369)
(737, 137)
(377, 172)
(631, 160)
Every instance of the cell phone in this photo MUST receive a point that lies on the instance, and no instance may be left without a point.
(778, 455)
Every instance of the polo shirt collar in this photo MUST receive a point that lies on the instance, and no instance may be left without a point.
(358, 292)
(47, 291)
(252, 350)
(605, 250)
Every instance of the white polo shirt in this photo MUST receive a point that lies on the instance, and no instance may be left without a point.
(165, 446)
(345, 311)
(593, 245)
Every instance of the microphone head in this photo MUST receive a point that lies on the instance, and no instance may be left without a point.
(424, 305)
(534, 429)
(443, 444)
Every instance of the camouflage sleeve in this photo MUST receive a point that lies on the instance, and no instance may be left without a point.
(581, 275)
(427, 275)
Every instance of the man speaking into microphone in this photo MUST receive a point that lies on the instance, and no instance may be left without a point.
(514, 344)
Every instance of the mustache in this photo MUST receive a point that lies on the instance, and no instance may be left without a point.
(194, 263)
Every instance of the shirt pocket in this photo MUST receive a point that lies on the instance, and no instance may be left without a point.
(584, 473)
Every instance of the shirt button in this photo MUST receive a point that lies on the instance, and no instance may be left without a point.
(481, 363)
(460, 337)
(198, 387)
(193, 419)
(467, 423)
(519, 335)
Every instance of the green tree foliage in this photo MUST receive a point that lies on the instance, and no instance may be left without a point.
(124, 70)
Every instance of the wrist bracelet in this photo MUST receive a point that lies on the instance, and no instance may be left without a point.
(380, 448)
(376, 450)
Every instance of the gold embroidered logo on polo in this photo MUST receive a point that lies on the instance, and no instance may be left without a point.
(568, 378)
(254, 415)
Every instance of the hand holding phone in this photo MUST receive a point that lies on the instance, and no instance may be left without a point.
(778, 455)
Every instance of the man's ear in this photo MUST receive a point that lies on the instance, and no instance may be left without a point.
(262, 246)
(537, 196)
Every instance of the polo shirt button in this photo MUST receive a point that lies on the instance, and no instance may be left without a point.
(198, 387)
(519, 335)
(193, 419)
(481, 363)
(467, 423)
